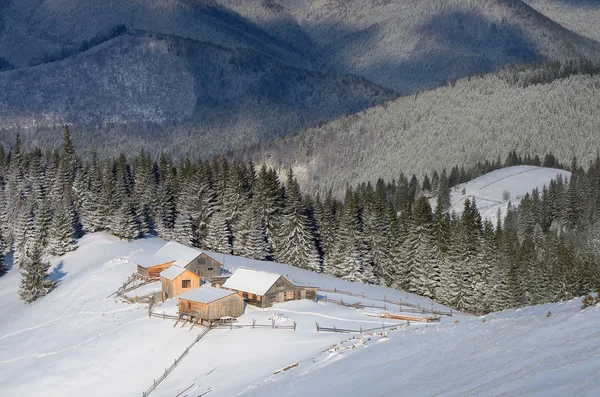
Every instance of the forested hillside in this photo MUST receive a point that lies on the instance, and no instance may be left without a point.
(553, 108)
(387, 233)
(579, 16)
(142, 90)
(412, 45)
(198, 78)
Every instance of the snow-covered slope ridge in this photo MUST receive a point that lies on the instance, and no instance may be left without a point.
(493, 191)
(77, 342)
(547, 350)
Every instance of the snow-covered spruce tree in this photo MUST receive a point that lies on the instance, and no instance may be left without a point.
(23, 233)
(349, 259)
(375, 227)
(268, 196)
(124, 223)
(425, 271)
(219, 238)
(35, 280)
(3, 266)
(297, 246)
(15, 184)
(185, 231)
(61, 237)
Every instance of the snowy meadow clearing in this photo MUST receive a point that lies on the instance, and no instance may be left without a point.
(77, 342)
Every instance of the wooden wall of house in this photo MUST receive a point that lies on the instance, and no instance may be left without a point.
(281, 291)
(175, 287)
(229, 306)
(204, 266)
(305, 293)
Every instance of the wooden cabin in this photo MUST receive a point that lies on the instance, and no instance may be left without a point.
(264, 289)
(176, 281)
(150, 271)
(195, 260)
(210, 304)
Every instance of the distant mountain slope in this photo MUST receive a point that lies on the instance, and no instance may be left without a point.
(580, 16)
(229, 97)
(477, 119)
(31, 30)
(410, 45)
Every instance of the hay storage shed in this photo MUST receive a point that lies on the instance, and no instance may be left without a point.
(210, 304)
(176, 281)
(150, 269)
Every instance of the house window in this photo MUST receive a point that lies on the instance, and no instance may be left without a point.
(209, 269)
(186, 283)
(289, 295)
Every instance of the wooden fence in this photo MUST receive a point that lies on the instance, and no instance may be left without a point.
(357, 305)
(226, 326)
(175, 363)
(356, 331)
(403, 305)
(253, 325)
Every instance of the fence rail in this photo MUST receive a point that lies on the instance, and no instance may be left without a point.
(175, 363)
(357, 305)
(356, 331)
(401, 304)
(165, 316)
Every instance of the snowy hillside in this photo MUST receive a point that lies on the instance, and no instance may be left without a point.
(493, 191)
(513, 353)
(78, 342)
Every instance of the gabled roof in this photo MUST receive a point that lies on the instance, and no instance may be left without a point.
(206, 294)
(252, 281)
(172, 272)
(181, 254)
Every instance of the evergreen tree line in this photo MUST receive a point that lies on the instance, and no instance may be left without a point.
(387, 233)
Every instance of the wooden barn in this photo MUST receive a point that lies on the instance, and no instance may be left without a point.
(176, 281)
(208, 304)
(150, 269)
(264, 289)
(195, 260)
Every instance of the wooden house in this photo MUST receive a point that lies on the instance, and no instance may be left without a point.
(176, 281)
(195, 260)
(264, 289)
(210, 304)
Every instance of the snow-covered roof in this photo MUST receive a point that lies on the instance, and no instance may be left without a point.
(181, 254)
(252, 281)
(172, 272)
(206, 294)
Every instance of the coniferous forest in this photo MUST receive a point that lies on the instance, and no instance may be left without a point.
(388, 233)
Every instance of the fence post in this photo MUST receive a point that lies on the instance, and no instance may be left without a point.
(253, 323)
(294, 325)
(273, 323)
(317, 324)
(361, 329)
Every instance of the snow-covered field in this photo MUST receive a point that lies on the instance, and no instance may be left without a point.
(78, 342)
(493, 191)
